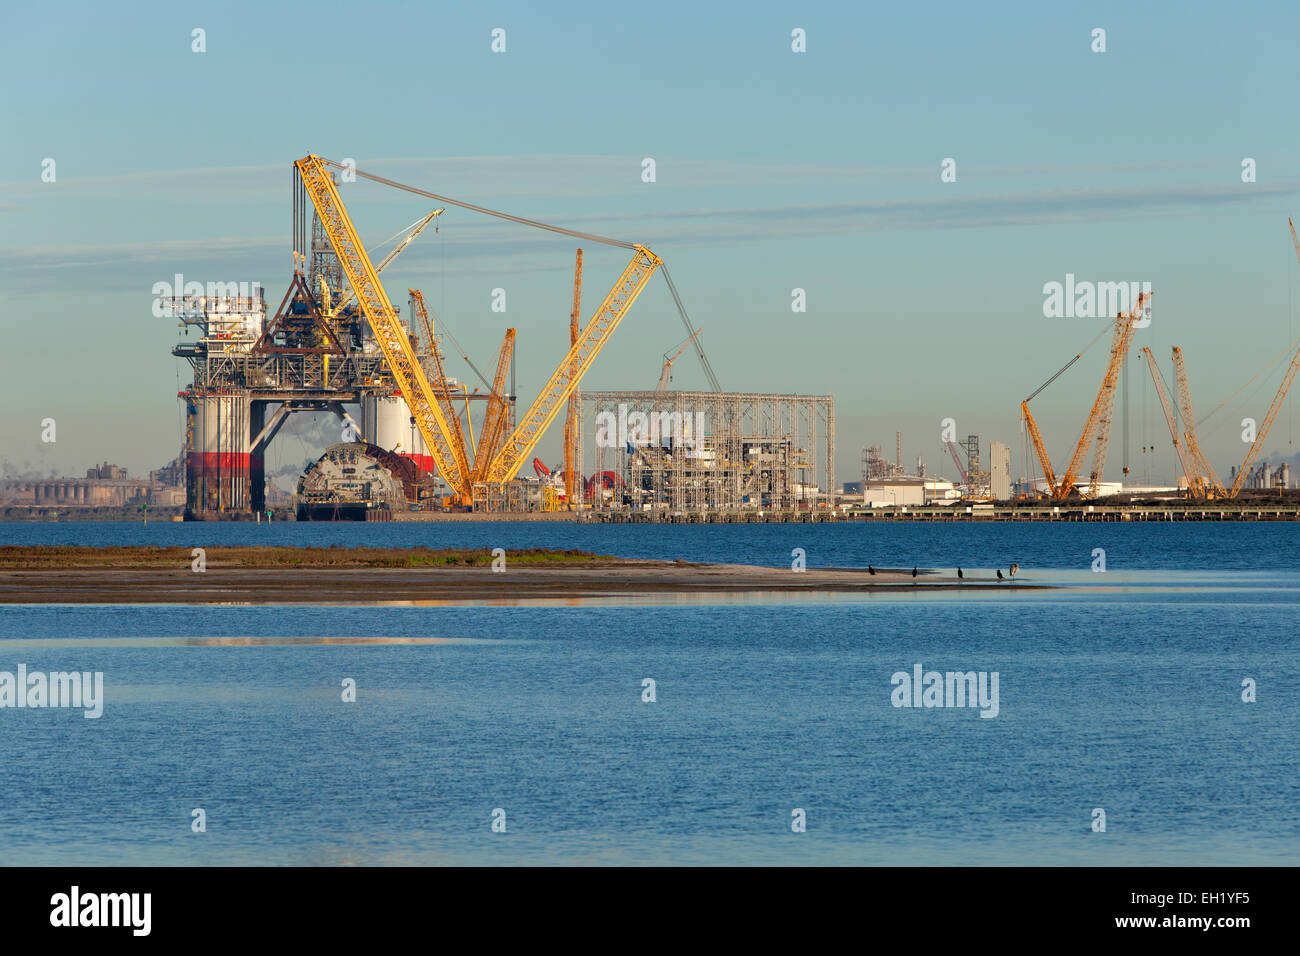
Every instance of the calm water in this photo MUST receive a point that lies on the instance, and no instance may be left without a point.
(1209, 546)
(1122, 693)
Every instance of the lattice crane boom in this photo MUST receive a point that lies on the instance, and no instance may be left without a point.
(1039, 448)
(956, 460)
(1208, 482)
(494, 419)
(1273, 409)
(393, 340)
(571, 422)
(441, 390)
(1169, 419)
(574, 366)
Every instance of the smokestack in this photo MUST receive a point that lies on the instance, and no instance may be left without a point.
(898, 454)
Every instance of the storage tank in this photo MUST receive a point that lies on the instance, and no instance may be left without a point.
(386, 423)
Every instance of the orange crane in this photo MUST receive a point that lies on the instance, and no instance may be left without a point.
(442, 391)
(1169, 418)
(494, 419)
(664, 377)
(571, 420)
(1205, 483)
(1096, 430)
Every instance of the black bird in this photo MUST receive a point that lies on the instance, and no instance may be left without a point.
(913, 572)
(999, 574)
(959, 574)
(870, 569)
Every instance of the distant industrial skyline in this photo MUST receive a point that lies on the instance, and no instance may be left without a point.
(774, 171)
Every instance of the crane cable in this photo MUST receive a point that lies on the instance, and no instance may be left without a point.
(1069, 363)
(483, 209)
(587, 236)
(1251, 379)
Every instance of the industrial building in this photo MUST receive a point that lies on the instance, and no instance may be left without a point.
(104, 486)
(909, 490)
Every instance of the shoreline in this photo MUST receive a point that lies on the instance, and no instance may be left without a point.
(373, 575)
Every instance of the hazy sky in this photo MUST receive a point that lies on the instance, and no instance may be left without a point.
(775, 170)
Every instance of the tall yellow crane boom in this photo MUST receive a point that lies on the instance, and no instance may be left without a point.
(442, 392)
(1098, 423)
(494, 419)
(1206, 483)
(1169, 418)
(571, 419)
(392, 337)
(573, 366)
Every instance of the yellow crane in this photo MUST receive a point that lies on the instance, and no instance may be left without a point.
(400, 356)
(571, 422)
(573, 366)
(1096, 430)
(393, 340)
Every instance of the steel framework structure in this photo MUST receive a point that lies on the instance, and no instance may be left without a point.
(744, 450)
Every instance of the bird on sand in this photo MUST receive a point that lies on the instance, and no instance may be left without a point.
(999, 574)
(959, 574)
(870, 569)
(913, 572)
(1014, 568)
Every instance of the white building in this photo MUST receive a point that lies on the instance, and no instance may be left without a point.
(892, 492)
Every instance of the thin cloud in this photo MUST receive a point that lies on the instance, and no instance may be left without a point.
(479, 244)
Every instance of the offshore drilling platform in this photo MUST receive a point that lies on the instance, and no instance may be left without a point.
(335, 340)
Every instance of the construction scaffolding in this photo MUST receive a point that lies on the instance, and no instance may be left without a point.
(707, 451)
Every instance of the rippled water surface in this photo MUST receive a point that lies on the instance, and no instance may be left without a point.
(1120, 691)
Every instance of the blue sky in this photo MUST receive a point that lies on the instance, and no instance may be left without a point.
(775, 170)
